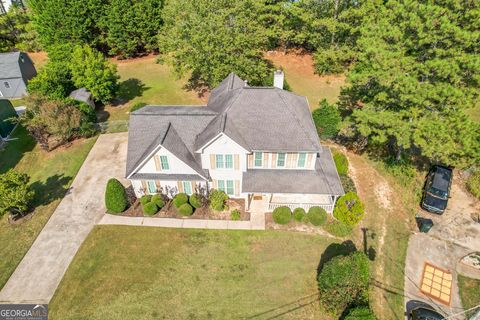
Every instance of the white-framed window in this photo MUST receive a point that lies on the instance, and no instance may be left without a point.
(151, 186)
(220, 162)
(301, 159)
(228, 161)
(187, 187)
(258, 159)
(224, 161)
(281, 160)
(164, 163)
(226, 186)
(6, 84)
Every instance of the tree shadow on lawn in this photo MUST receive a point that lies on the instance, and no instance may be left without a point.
(13, 151)
(335, 250)
(128, 90)
(55, 187)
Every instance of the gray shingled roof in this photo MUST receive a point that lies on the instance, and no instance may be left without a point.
(323, 180)
(149, 125)
(9, 67)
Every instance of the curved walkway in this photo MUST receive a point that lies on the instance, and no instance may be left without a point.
(41, 270)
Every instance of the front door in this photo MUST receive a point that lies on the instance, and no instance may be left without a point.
(257, 196)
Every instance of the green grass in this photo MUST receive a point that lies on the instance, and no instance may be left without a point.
(475, 112)
(469, 291)
(51, 174)
(155, 273)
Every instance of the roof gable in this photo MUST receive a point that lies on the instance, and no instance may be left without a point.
(9, 65)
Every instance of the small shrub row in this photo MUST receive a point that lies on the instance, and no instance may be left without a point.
(316, 215)
(151, 204)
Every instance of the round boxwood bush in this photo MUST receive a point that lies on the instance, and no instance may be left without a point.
(149, 209)
(145, 199)
(341, 162)
(115, 196)
(235, 215)
(299, 214)
(185, 209)
(158, 200)
(317, 216)
(196, 201)
(349, 209)
(180, 199)
(360, 313)
(282, 215)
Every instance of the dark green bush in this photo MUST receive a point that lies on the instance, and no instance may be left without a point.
(149, 209)
(180, 199)
(235, 215)
(348, 184)
(337, 228)
(282, 215)
(196, 200)
(115, 196)
(185, 209)
(360, 313)
(317, 216)
(158, 200)
(145, 199)
(299, 214)
(341, 162)
(217, 200)
(473, 183)
(349, 209)
(327, 120)
(137, 106)
(343, 281)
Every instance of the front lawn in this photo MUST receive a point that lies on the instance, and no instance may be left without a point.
(469, 291)
(51, 174)
(145, 273)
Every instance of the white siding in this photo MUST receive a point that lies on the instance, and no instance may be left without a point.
(172, 185)
(176, 166)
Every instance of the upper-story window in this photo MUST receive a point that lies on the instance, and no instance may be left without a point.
(224, 161)
(301, 160)
(258, 161)
(281, 160)
(164, 163)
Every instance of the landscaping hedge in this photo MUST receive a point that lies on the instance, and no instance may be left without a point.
(299, 214)
(348, 184)
(360, 313)
(145, 199)
(282, 215)
(341, 162)
(115, 196)
(235, 215)
(327, 120)
(196, 201)
(337, 228)
(349, 209)
(149, 209)
(185, 209)
(317, 216)
(180, 199)
(158, 200)
(217, 200)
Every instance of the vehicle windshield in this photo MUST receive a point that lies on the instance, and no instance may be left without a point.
(438, 193)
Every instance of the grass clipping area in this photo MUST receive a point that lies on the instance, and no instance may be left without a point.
(51, 174)
(147, 273)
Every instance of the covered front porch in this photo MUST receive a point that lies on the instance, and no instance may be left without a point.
(267, 202)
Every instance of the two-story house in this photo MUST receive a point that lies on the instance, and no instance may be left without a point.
(255, 143)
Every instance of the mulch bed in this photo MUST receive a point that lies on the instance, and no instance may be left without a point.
(169, 211)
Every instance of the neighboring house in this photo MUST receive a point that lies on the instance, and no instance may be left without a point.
(255, 143)
(16, 69)
(7, 111)
(83, 95)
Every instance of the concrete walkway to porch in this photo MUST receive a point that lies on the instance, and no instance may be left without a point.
(256, 222)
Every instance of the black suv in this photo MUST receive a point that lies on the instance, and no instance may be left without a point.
(437, 189)
(425, 314)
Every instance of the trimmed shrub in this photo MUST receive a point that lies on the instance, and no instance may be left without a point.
(282, 215)
(348, 184)
(137, 106)
(179, 199)
(349, 209)
(217, 200)
(145, 199)
(473, 183)
(317, 216)
(115, 196)
(149, 209)
(360, 313)
(196, 201)
(235, 215)
(327, 120)
(343, 281)
(185, 209)
(158, 200)
(337, 228)
(341, 162)
(299, 214)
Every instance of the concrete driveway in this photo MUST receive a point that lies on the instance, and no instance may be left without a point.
(41, 270)
(454, 235)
